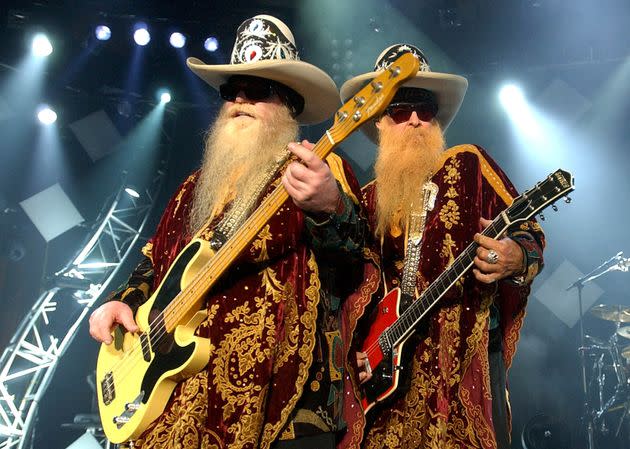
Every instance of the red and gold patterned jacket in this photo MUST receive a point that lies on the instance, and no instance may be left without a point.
(262, 327)
(448, 404)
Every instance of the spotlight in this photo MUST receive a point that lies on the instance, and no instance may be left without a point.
(511, 96)
(102, 33)
(41, 45)
(177, 40)
(141, 35)
(132, 191)
(46, 115)
(211, 44)
(165, 97)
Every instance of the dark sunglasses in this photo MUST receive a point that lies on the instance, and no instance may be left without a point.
(255, 89)
(401, 112)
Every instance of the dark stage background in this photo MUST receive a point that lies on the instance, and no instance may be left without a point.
(571, 58)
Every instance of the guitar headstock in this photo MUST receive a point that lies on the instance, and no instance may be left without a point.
(543, 194)
(374, 97)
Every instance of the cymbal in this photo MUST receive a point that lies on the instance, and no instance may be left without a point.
(624, 332)
(617, 313)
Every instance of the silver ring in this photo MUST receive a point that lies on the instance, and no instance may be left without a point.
(492, 257)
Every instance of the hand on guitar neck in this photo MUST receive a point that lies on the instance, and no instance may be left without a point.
(310, 182)
(497, 259)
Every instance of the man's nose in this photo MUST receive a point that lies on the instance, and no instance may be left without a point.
(241, 97)
(414, 120)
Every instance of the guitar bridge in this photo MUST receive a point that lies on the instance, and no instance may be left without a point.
(130, 410)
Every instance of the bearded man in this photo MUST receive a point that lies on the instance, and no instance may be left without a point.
(278, 348)
(425, 205)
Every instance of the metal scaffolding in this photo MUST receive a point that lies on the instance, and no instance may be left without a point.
(30, 360)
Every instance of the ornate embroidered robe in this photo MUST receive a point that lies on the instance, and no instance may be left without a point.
(261, 323)
(448, 403)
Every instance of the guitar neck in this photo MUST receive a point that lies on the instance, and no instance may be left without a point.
(190, 298)
(405, 324)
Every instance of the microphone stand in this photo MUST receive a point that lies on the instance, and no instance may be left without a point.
(579, 284)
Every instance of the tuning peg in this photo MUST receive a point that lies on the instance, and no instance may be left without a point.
(568, 199)
(542, 217)
(394, 71)
(554, 207)
(360, 101)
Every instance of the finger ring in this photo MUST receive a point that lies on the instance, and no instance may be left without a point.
(492, 257)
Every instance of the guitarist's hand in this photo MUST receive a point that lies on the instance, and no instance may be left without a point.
(364, 375)
(510, 257)
(105, 319)
(310, 183)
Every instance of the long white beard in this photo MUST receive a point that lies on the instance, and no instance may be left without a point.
(235, 155)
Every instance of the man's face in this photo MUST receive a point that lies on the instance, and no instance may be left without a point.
(410, 144)
(248, 99)
(249, 135)
(400, 116)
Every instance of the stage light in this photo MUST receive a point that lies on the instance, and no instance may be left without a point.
(132, 191)
(511, 96)
(177, 40)
(211, 44)
(165, 97)
(46, 115)
(141, 36)
(102, 33)
(41, 46)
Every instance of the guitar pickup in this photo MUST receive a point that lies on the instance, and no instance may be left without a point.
(108, 390)
(146, 347)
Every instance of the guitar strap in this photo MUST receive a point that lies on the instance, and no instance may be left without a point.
(241, 207)
(415, 231)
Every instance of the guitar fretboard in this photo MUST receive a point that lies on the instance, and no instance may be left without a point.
(410, 317)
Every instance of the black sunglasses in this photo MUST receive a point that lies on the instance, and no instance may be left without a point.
(401, 112)
(255, 89)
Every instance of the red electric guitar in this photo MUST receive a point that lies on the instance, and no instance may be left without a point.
(391, 328)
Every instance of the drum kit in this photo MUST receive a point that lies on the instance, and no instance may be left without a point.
(608, 387)
(605, 363)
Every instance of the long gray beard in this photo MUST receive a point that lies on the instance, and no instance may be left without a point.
(234, 166)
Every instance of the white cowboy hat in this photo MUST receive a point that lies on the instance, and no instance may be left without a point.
(449, 90)
(265, 48)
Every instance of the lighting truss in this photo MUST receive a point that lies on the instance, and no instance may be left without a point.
(30, 360)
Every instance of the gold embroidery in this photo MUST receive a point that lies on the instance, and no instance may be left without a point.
(261, 243)
(288, 433)
(308, 320)
(511, 338)
(178, 198)
(288, 346)
(451, 193)
(486, 169)
(449, 214)
(447, 249)
(452, 175)
(184, 419)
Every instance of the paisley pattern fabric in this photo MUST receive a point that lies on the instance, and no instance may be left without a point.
(261, 323)
(448, 402)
